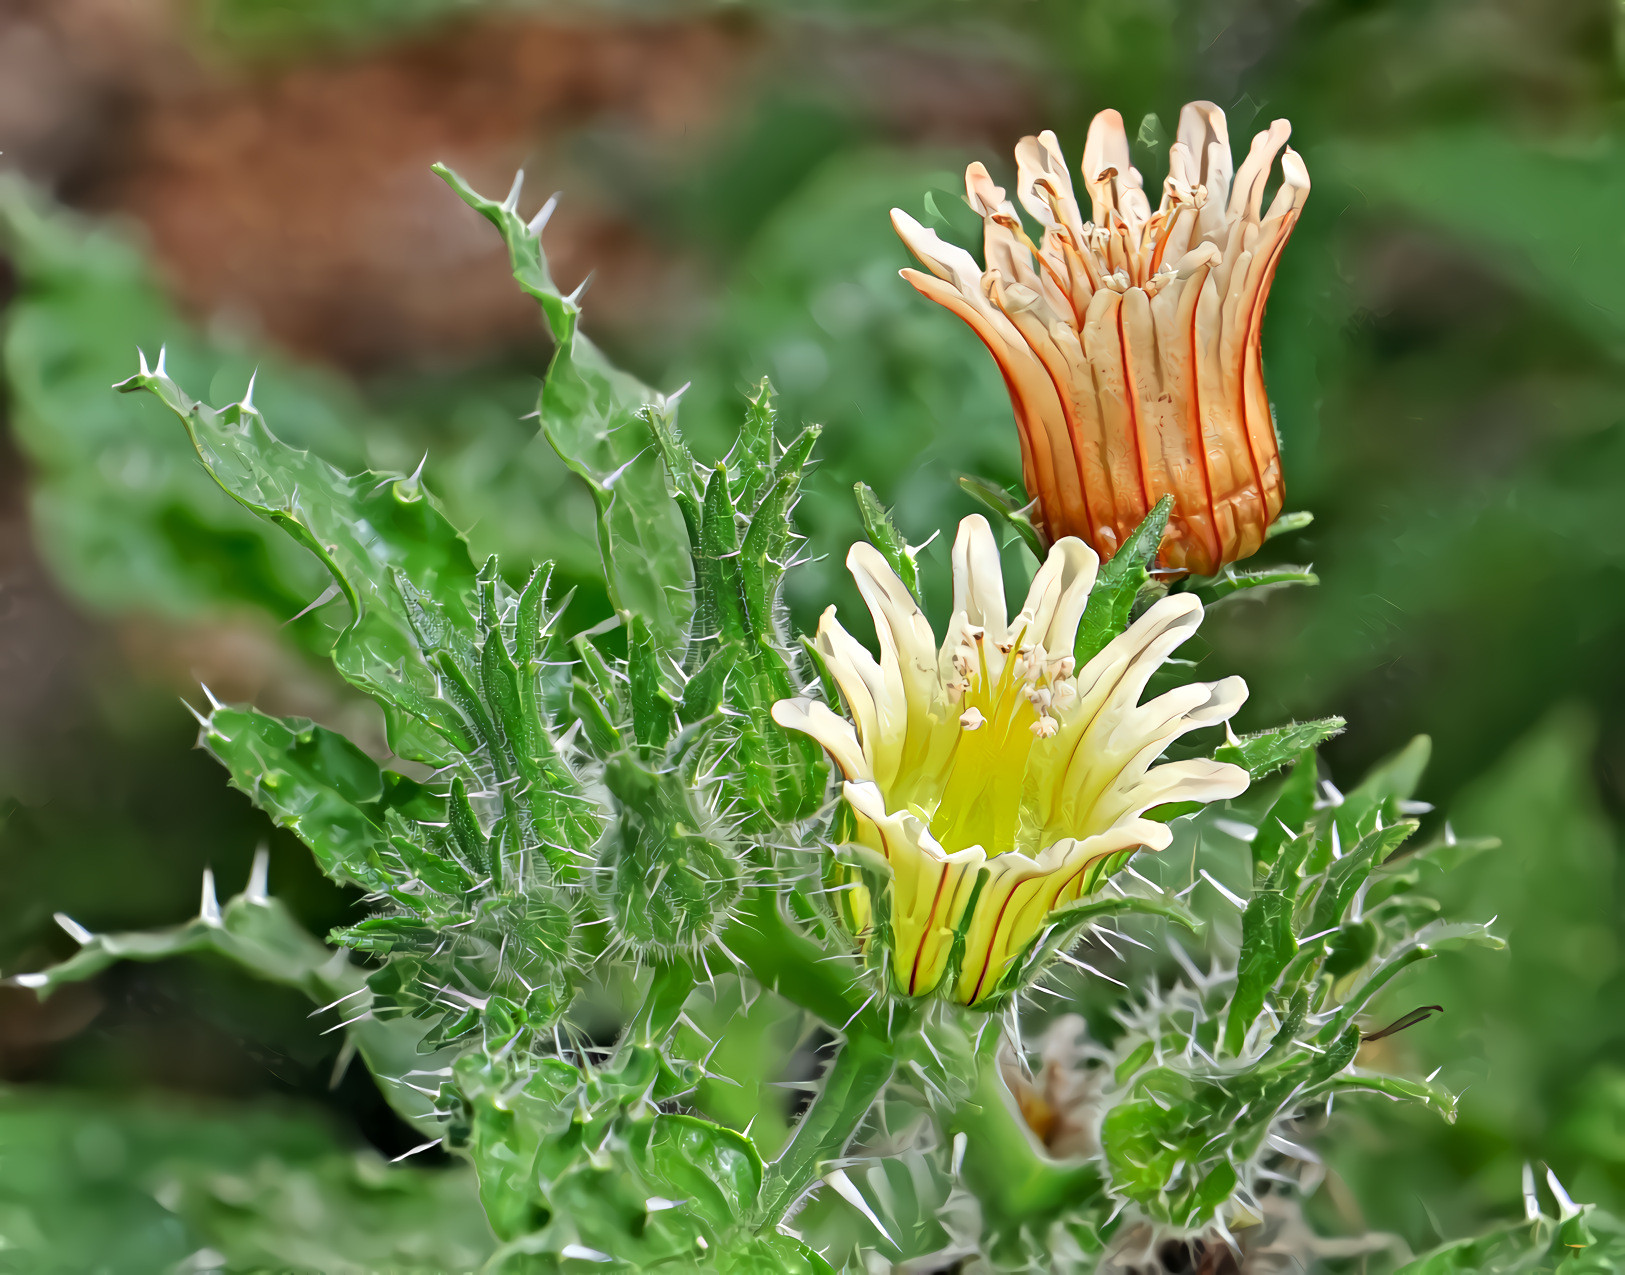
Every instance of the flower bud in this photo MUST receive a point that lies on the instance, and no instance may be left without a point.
(1130, 343)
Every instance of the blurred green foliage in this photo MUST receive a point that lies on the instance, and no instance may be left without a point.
(94, 1184)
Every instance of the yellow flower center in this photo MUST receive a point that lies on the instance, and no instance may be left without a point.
(982, 790)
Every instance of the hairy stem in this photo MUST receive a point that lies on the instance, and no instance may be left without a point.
(798, 969)
(854, 1080)
(669, 987)
(1004, 1165)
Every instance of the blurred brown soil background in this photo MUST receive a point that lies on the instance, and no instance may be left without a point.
(294, 199)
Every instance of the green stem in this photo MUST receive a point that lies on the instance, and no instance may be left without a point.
(783, 959)
(662, 1003)
(854, 1080)
(1004, 1165)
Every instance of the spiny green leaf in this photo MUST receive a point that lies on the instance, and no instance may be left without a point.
(411, 847)
(1290, 811)
(596, 418)
(587, 706)
(653, 710)
(466, 831)
(311, 780)
(669, 881)
(755, 452)
(797, 453)
(499, 687)
(381, 935)
(884, 536)
(716, 1171)
(594, 671)
(720, 607)
(705, 686)
(1267, 948)
(1348, 873)
(998, 502)
(364, 530)
(260, 935)
(764, 542)
(1264, 752)
(1286, 524)
(1232, 582)
(1111, 601)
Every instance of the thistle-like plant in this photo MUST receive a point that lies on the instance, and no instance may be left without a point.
(615, 824)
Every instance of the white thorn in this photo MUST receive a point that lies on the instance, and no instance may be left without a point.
(538, 223)
(31, 980)
(1531, 1201)
(1236, 900)
(74, 930)
(1566, 1207)
(209, 909)
(422, 1146)
(213, 702)
(581, 287)
(158, 371)
(321, 599)
(854, 1197)
(959, 1154)
(256, 891)
(581, 1253)
(142, 355)
(511, 203)
(247, 405)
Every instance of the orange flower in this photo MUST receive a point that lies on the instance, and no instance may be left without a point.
(1130, 342)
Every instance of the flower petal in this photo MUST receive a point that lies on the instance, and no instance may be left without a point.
(979, 577)
(906, 640)
(1044, 185)
(833, 732)
(1020, 893)
(1195, 779)
(1205, 134)
(1247, 195)
(877, 710)
(930, 888)
(1059, 593)
(1098, 738)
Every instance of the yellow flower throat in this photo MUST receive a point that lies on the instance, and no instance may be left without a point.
(982, 787)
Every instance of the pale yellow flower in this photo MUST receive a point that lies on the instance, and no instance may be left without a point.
(1130, 343)
(994, 779)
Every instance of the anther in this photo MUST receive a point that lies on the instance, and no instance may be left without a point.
(972, 719)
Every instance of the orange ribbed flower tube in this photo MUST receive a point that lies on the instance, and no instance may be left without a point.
(1130, 343)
